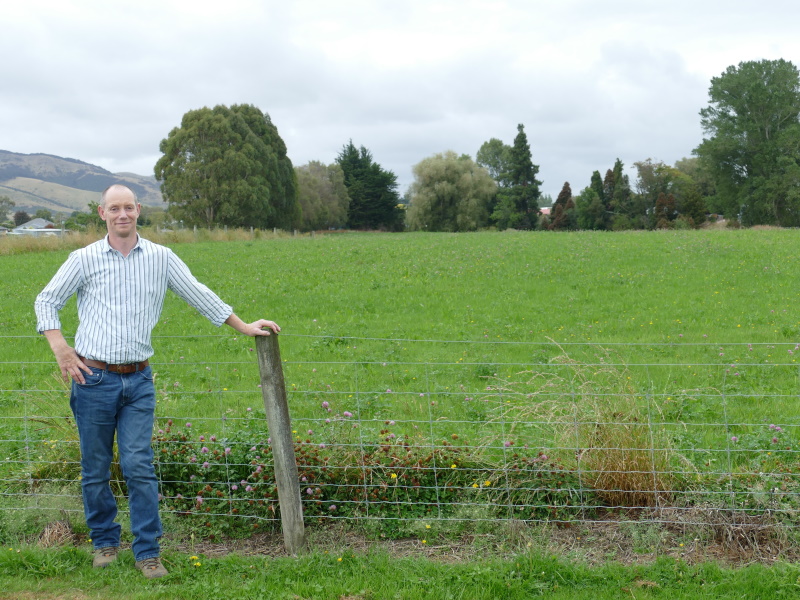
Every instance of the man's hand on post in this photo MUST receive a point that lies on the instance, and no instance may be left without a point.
(261, 327)
(256, 328)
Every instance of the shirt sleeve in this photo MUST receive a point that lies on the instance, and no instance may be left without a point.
(54, 296)
(184, 284)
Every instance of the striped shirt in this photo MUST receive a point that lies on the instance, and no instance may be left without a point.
(120, 298)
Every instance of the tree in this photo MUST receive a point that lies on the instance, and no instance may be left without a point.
(609, 186)
(43, 213)
(753, 144)
(517, 204)
(590, 210)
(665, 213)
(228, 166)
(494, 156)
(621, 202)
(374, 201)
(698, 171)
(654, 179)
(450, 193)
(21, 217)
(6, 204)
(562, 213)
(322, 195)
(85, 220)
(694, 207)
(601, 217)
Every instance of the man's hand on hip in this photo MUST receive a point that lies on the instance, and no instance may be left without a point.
(66, 357)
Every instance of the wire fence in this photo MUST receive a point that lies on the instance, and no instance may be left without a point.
(398, 430)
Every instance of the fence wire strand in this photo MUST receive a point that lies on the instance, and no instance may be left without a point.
(559, 438)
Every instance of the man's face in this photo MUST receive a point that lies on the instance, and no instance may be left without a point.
(120, 213)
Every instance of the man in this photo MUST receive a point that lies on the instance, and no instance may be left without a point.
(121, 281)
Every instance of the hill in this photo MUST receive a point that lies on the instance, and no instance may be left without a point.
(64, 185)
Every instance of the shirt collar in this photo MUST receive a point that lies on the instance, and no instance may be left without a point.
(107, 247)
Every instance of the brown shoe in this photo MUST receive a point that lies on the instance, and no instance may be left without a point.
(151, 567)
(104, 557)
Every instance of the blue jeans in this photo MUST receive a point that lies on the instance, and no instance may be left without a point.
(125, 404)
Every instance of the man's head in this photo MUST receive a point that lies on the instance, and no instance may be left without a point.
(119, 209)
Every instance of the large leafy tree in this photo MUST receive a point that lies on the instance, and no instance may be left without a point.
(322, 195)
(228, 166)
(752, 146)
(21, 217)
(518, 201)
(374, 200)
(450, 193)
(6, 204)
(494, 156)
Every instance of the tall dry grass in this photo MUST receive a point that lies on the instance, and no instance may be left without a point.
(24, 244)
(598, 426)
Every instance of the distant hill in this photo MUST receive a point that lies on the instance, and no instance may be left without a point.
(64, 185)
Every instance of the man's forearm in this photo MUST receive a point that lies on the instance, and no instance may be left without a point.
(56, 340)
(236, 323)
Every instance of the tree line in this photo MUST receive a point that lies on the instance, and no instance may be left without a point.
(229, 166)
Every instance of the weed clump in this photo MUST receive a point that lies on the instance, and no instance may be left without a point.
(603, 432)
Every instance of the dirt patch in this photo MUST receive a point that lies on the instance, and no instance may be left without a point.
(695, 535)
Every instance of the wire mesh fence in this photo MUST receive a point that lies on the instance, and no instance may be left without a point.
(393, 430)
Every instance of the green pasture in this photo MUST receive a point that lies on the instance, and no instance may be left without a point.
(464, 338)
(438, 314)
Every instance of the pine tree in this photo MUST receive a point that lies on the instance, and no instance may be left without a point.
(621, 201)
(563, 210)
(518, 204)
(374, 200)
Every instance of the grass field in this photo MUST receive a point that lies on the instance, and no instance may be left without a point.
(695, 332)
(66, 573)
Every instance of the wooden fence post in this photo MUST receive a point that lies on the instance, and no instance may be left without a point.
(276, 405)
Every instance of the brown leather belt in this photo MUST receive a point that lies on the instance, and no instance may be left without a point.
(123, 369)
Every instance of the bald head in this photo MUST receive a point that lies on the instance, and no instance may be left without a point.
(120, 211)
(117, 191)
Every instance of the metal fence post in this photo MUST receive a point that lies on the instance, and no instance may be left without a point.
(276, 405)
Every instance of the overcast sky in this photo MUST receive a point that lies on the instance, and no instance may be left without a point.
(105, 81)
